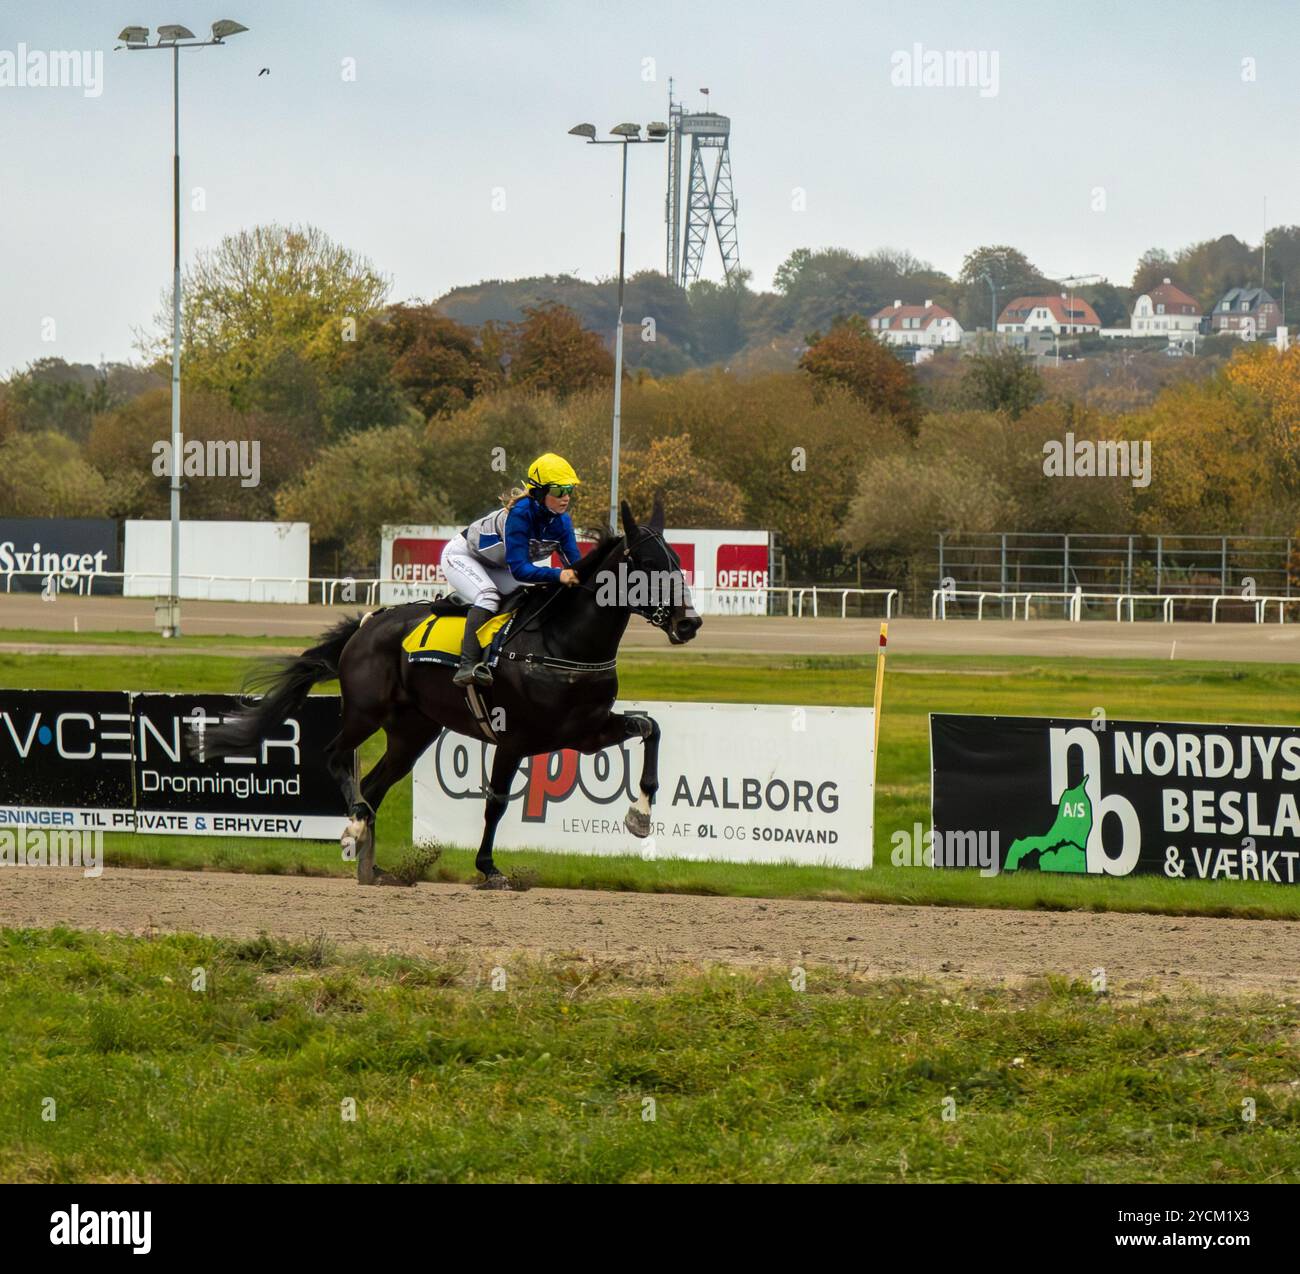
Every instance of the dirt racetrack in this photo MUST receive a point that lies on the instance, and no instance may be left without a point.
(988, 946)
(721, 634)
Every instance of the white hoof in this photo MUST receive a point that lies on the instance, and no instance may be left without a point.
(351, 838)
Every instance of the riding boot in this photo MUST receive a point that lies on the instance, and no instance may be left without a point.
(471, 668)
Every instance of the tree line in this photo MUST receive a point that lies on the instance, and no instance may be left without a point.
(370, 412)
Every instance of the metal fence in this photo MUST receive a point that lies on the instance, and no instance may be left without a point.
(1017, 562)
(798, 601)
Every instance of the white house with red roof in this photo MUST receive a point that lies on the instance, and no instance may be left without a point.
(1166, 310)
(1065, 315)
(927, 324)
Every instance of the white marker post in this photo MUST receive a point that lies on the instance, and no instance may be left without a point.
(880, 690)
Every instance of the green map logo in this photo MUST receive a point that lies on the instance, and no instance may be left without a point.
(1064, 847)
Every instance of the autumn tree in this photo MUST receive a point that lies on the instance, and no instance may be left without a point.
(363, 481)
(817, 288)
(43, 475)
(549, 350)
(277, 319)
(123, 448)
(693, 496)
(1012, 274)
(851, 356)
(1002, 381)
(436, 361)
(1153, 267)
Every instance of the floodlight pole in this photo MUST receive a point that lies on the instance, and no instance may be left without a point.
(624, 140)
(172, 626)
(618, 356)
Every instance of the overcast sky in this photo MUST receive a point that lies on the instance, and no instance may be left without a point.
(1148, 103)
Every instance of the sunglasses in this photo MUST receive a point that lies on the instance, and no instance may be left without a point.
(559, 489)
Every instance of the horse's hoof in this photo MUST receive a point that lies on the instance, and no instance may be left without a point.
(637, 822)
(497, 881)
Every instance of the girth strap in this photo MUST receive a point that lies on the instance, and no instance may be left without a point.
(564, 665)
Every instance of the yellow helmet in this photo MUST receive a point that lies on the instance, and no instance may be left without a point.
(552, 469)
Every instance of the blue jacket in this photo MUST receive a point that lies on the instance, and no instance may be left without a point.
(521, 535)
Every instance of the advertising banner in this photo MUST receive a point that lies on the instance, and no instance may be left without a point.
(67, 554)
(727, 571)
(1106, 797)
(221, 561)
(280, 789)
(115, 761)
(740, 782)
(65, 759)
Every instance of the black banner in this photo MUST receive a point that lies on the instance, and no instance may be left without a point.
(64, 552)
(65, 759)
(115, 761)
(280, 788)
(1203, 802)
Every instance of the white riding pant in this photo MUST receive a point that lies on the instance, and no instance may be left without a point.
(482, 583)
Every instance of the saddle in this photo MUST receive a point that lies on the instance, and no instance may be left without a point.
(437, 638)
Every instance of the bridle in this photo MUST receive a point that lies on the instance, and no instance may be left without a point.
(656, 616)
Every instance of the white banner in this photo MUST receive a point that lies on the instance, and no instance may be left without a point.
(739, 782)
(727, 570)
(212, 552)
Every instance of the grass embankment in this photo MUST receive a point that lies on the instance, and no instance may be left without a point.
(583, 1071)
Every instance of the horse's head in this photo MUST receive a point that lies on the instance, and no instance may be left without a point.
(655, 585)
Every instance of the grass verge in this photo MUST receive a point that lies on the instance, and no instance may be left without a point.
(583, 1071)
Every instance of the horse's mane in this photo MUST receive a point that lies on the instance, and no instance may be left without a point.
(606, 543)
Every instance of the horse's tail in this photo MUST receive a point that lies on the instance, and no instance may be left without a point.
(284, 685)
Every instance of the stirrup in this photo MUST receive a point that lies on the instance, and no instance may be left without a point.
(464, 674)
(482, 674)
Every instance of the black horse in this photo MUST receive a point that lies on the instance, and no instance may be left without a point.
(555, 685)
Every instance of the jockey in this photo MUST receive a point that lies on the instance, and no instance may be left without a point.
(495, 556)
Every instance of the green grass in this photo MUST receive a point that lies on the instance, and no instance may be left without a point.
(916, 685)
(552, 1077)
(168, 645)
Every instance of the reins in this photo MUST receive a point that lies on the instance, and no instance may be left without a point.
(656, 616)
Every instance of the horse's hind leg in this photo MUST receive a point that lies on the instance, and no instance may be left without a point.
(408, 734)
(504, 766)
(340, 760)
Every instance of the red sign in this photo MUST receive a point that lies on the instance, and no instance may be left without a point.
(684, 551)
(742, 566)
(687, 554)
(418, 561)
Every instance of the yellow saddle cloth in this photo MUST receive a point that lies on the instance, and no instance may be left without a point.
(438, 639)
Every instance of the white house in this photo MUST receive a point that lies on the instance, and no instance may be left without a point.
(927, 324)
(1064, 315)
(1166, 311)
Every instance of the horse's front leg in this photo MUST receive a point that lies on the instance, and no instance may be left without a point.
(635, 725)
